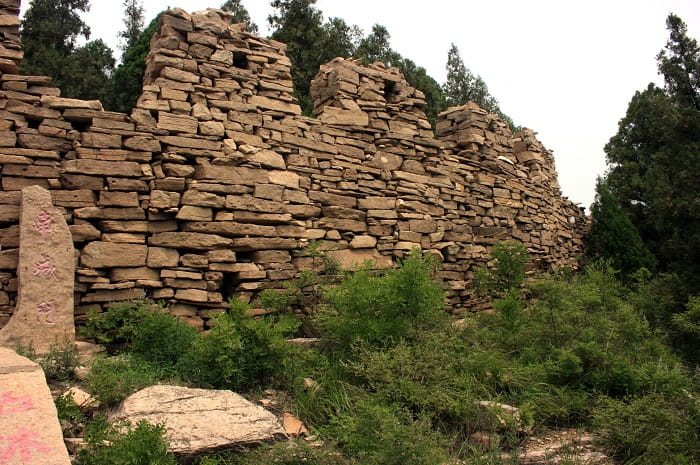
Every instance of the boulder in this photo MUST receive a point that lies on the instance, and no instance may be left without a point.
(31, 434)
(198, 421)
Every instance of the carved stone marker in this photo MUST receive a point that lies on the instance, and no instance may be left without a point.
(44, 313)
(30, 433)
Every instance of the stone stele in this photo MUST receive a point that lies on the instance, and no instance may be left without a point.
(30, 433)
(44, 313)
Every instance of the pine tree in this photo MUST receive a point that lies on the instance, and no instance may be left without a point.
(240, 14)
(463, 86)
(127, 81)
(612, 235)
(49, 33)
(133, 23)
(655, 159)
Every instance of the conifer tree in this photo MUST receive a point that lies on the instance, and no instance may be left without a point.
(612, 235)
(133, 23)
(49, 33)
(654, 159)
(463, 86)
(240, 14)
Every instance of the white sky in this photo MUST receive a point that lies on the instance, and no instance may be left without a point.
(564, 69)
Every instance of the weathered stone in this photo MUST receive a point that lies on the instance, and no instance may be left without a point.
(84, 232)
(334, 115)
(198, 420)
(102, 168)
(363, 242)
(230, 228)
(109, 254)
(350, 259)
(160, 257)
(31, 433)
(189, 240)
(193, 213)
(177, 123)
(44, 313)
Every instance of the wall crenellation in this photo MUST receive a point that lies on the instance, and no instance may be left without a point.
(214, 184)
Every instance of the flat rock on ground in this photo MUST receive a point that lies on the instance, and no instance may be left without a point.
(29, 430)
(199, 421)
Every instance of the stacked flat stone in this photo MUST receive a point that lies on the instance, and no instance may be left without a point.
(11, 52)
(214, 184)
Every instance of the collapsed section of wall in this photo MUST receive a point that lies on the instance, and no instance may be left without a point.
(215, 183)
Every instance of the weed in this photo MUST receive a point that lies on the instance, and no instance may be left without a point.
(116, 325)
(59, 363)
(382, 309)
(162, 339)
(113, 379)
(144, 444)
(240, 350)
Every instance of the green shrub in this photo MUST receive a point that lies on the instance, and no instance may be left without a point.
(68, 411)
(376, 434)
(59, 363)
(110, 445)
(240, 350)
(113, 379)
(281, 453)
(162, 339)
(507, 270)
(651, 429)
(382, 309)
(118, 323)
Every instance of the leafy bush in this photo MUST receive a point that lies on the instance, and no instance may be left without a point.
(281, 453)
(507, 271)
(110, 445)
(377, 434)
(162, 339)
(651, 429)
(113, 379)
(68, 411)
(382, 309)
(59, 363)
(239, 351)
(118, 323)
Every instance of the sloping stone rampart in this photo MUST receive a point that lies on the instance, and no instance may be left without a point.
(215, 181)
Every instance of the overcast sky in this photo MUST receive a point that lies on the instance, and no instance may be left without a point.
(564, 69)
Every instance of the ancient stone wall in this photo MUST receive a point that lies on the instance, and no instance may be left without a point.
(215, 183)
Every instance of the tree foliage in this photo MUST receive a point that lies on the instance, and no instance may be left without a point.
(49, 33)
(133, 23)
(654, 159)
(240, 14)
(463, 86)
(125, 86)
(311, 43)
(613, 236)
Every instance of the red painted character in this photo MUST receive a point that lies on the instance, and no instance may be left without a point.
(21, 443)
(44, 224)
(44, 267)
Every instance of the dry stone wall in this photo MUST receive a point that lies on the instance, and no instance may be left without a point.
(213, 184)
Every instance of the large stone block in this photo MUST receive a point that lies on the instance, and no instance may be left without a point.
(113, 255)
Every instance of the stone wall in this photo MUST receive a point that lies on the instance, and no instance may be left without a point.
(215, 183)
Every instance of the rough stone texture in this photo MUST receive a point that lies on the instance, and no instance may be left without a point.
(217, 159)
(198, 421)
(44, 314)
(31, 434)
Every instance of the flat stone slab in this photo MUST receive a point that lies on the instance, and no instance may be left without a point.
(199, 421)
(30, 433)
